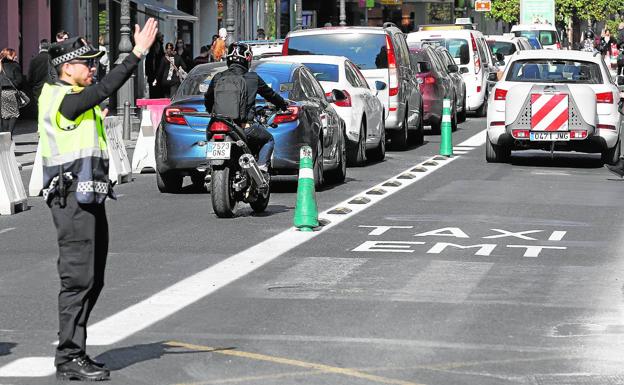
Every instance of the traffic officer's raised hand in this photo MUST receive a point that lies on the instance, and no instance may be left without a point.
(144, 38)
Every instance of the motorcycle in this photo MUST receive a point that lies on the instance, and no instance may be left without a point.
(234, 173)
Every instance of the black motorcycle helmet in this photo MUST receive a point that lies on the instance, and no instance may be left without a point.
(239, 53)
(589, 34)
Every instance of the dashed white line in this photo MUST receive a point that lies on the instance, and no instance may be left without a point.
(169, 301)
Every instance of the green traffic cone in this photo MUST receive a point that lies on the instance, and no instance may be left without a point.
(306, 213)
(446, 142)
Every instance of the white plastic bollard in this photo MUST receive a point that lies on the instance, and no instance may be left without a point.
(143, 156)
(35, 186)
(119, 164)
(12, 194)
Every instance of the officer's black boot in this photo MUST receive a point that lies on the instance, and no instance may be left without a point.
(617, 169)
(81, 369)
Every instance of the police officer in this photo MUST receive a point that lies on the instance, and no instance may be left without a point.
(239, 56)
(75, 175)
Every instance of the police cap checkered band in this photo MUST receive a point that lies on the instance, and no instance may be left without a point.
(70, 49)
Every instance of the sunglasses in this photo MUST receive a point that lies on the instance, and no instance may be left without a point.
(88, 62)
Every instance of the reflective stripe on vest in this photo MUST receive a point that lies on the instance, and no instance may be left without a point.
(79, 145)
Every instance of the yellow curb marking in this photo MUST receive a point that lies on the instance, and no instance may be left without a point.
(287, 361)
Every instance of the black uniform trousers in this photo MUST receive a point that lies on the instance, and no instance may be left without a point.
(82, 232)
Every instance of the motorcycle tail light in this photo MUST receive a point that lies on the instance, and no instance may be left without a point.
(218, 137)
(175, 115)
(219, 127)
(285, 117)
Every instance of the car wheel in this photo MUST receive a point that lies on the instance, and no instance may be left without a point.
(318, 168)
(356, 153)
(169, 182)
(612, 155)
(461, 117)
(495, 153)
(417, 138)
(379, 153)
(482, 111)
(399, 137)
(340, 173)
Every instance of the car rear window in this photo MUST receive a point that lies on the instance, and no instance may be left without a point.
(554, 71)
(323, 72)
(366, 50)
(544, 37)
(504, 47)
(458, 48)
(198, 81)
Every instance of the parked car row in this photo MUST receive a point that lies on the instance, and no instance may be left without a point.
(389, 85)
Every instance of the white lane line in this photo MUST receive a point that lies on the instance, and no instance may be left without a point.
(7, 230)
(475, 141)
(29, 367)
(169, 301)
(557, 235)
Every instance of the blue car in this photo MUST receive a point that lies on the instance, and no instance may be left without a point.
(180, 139)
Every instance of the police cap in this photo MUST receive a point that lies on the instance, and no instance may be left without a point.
(71, 49)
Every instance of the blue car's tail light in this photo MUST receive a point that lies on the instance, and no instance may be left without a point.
(175, 115)
(285, 117)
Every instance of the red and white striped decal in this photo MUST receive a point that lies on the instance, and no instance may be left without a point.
(549, 112)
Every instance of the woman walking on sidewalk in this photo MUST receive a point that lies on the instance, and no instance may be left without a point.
(11, 80)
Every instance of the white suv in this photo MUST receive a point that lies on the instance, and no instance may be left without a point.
(381, 54)
(545, 33)
(472, 55)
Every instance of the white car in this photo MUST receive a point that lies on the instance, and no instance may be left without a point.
(545, 33)
(554, 100)
(362, 111)
(471, 54)
(506, 46)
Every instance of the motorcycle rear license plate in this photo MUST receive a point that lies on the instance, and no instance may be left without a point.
(218, 150)
(551, 136)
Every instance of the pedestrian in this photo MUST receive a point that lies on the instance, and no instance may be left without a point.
(204, 56)
(76, 185)
(219, 49)
(40, 69)
(104, 64)
(587, 44)
(171, 71)
(61, 36)
(11, 80)
(212, 46)
(620, 34)
(260, 34)
(620, 59)
(152, 62)
(184, 53)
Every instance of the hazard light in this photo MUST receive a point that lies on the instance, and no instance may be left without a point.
(520, 134)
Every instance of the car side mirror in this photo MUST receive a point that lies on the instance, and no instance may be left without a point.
(463, 70)
(492, 76)
(424, 66)
(619, 80)
(379, 85)
(336, 96)
(452, 68)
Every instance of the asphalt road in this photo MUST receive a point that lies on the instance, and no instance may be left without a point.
(471, 273)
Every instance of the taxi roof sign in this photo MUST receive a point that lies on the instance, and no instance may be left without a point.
(445, 27)
(483, 6)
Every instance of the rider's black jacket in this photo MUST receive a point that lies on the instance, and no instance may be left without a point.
(255, 85)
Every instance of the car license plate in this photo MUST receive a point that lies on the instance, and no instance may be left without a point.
(218, 150)
(549, 136)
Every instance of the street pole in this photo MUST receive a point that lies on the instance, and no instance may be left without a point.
(343, 14)
(229, 23)
(299, 15)
(126, 92)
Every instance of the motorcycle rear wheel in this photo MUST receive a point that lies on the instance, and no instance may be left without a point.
(222, 194)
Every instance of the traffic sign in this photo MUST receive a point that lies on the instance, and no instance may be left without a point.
(483, 6)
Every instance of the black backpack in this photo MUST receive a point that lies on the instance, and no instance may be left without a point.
(230, 96)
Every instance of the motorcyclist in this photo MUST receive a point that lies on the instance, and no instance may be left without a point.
(239, 56)
(588, 44)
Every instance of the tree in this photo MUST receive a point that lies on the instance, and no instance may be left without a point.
(565, 10)
(505, 10)
(270, 19)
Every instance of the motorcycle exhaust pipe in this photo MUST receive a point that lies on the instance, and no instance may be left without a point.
(248, 163)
